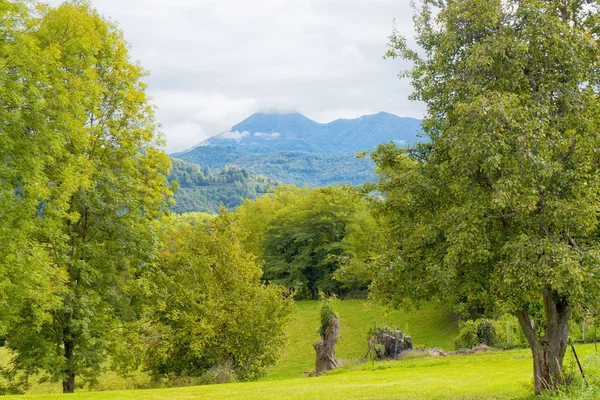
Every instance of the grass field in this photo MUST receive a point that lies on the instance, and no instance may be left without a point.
(491, 375)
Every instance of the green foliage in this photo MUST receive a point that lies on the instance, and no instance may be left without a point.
(201, 190)
(503, 325)
(499, 208)
(303, 236)
(329, 308)
(82, 183)
(290, 167)
(467, 335)
(206, 307)
(473, 333)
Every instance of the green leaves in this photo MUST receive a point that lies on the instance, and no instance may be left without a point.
(81, 185)
(207, 307)
(493, 204)
(304, 236)
(500, 209)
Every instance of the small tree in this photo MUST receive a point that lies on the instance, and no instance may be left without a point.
(205, 306)
(500, 206)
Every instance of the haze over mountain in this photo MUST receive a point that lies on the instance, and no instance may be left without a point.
(274, 132)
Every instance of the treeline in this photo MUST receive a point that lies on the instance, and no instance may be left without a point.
(201, 190)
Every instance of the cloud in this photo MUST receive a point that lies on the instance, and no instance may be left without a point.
(212, 63)
(235, 135)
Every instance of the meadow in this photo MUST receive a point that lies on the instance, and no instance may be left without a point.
(489, 375)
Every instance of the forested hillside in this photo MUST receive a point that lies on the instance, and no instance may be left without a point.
(200, 189)
(293, 149)
(292, 167)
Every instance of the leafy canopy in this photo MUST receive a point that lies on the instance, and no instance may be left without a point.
(500, 207)
(82, 183)
(204, 304)
(303, 236)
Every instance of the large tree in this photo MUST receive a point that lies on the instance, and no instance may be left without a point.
(303, 236)
(499, 208)
(82, 185)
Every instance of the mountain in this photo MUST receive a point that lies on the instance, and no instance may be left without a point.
(273, 132)
(268, 148)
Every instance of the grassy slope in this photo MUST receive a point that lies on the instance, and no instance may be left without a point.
(493, 375)
(429, 326)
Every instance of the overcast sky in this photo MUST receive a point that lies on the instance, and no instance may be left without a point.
(213, 63)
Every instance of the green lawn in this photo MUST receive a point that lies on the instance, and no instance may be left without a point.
(492, 375)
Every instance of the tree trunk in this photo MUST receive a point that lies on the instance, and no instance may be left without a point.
(69, 380)
(325, 347)
(549, 350)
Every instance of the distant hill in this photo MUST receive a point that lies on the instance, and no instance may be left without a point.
(295, 167)
(272, 132)
(201, 189)
(291, 148)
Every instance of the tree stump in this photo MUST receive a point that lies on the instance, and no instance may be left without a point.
(325, 347)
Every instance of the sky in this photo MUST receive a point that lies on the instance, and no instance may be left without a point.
(213, 63)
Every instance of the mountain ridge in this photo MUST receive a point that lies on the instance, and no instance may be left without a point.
(283, 148)
(274, 132)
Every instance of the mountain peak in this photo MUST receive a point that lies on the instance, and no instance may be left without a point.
(270, 131)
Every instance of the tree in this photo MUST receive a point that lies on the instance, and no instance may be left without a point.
(306, 242)
(253, 216)
(499, 207)
(27, 104)
(87, 181)
(206, 306)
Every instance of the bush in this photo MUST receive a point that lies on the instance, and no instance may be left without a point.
(473, 333)
(328, 309)
(467, 336)
(493, 333)
(517, 337)
(218, 374)
(486, 333)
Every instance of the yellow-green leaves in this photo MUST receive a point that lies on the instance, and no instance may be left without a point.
(81, 185)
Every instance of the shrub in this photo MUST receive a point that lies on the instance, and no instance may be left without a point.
(486, 333)
(474, 333)
(467, 335)
(503, 325)
(328, 309)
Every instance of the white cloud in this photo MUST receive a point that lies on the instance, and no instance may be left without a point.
(214, 62)
(181, 135)
(235, 135)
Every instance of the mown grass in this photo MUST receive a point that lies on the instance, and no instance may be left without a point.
(491, 375)
(431, 326)
(495, 375)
